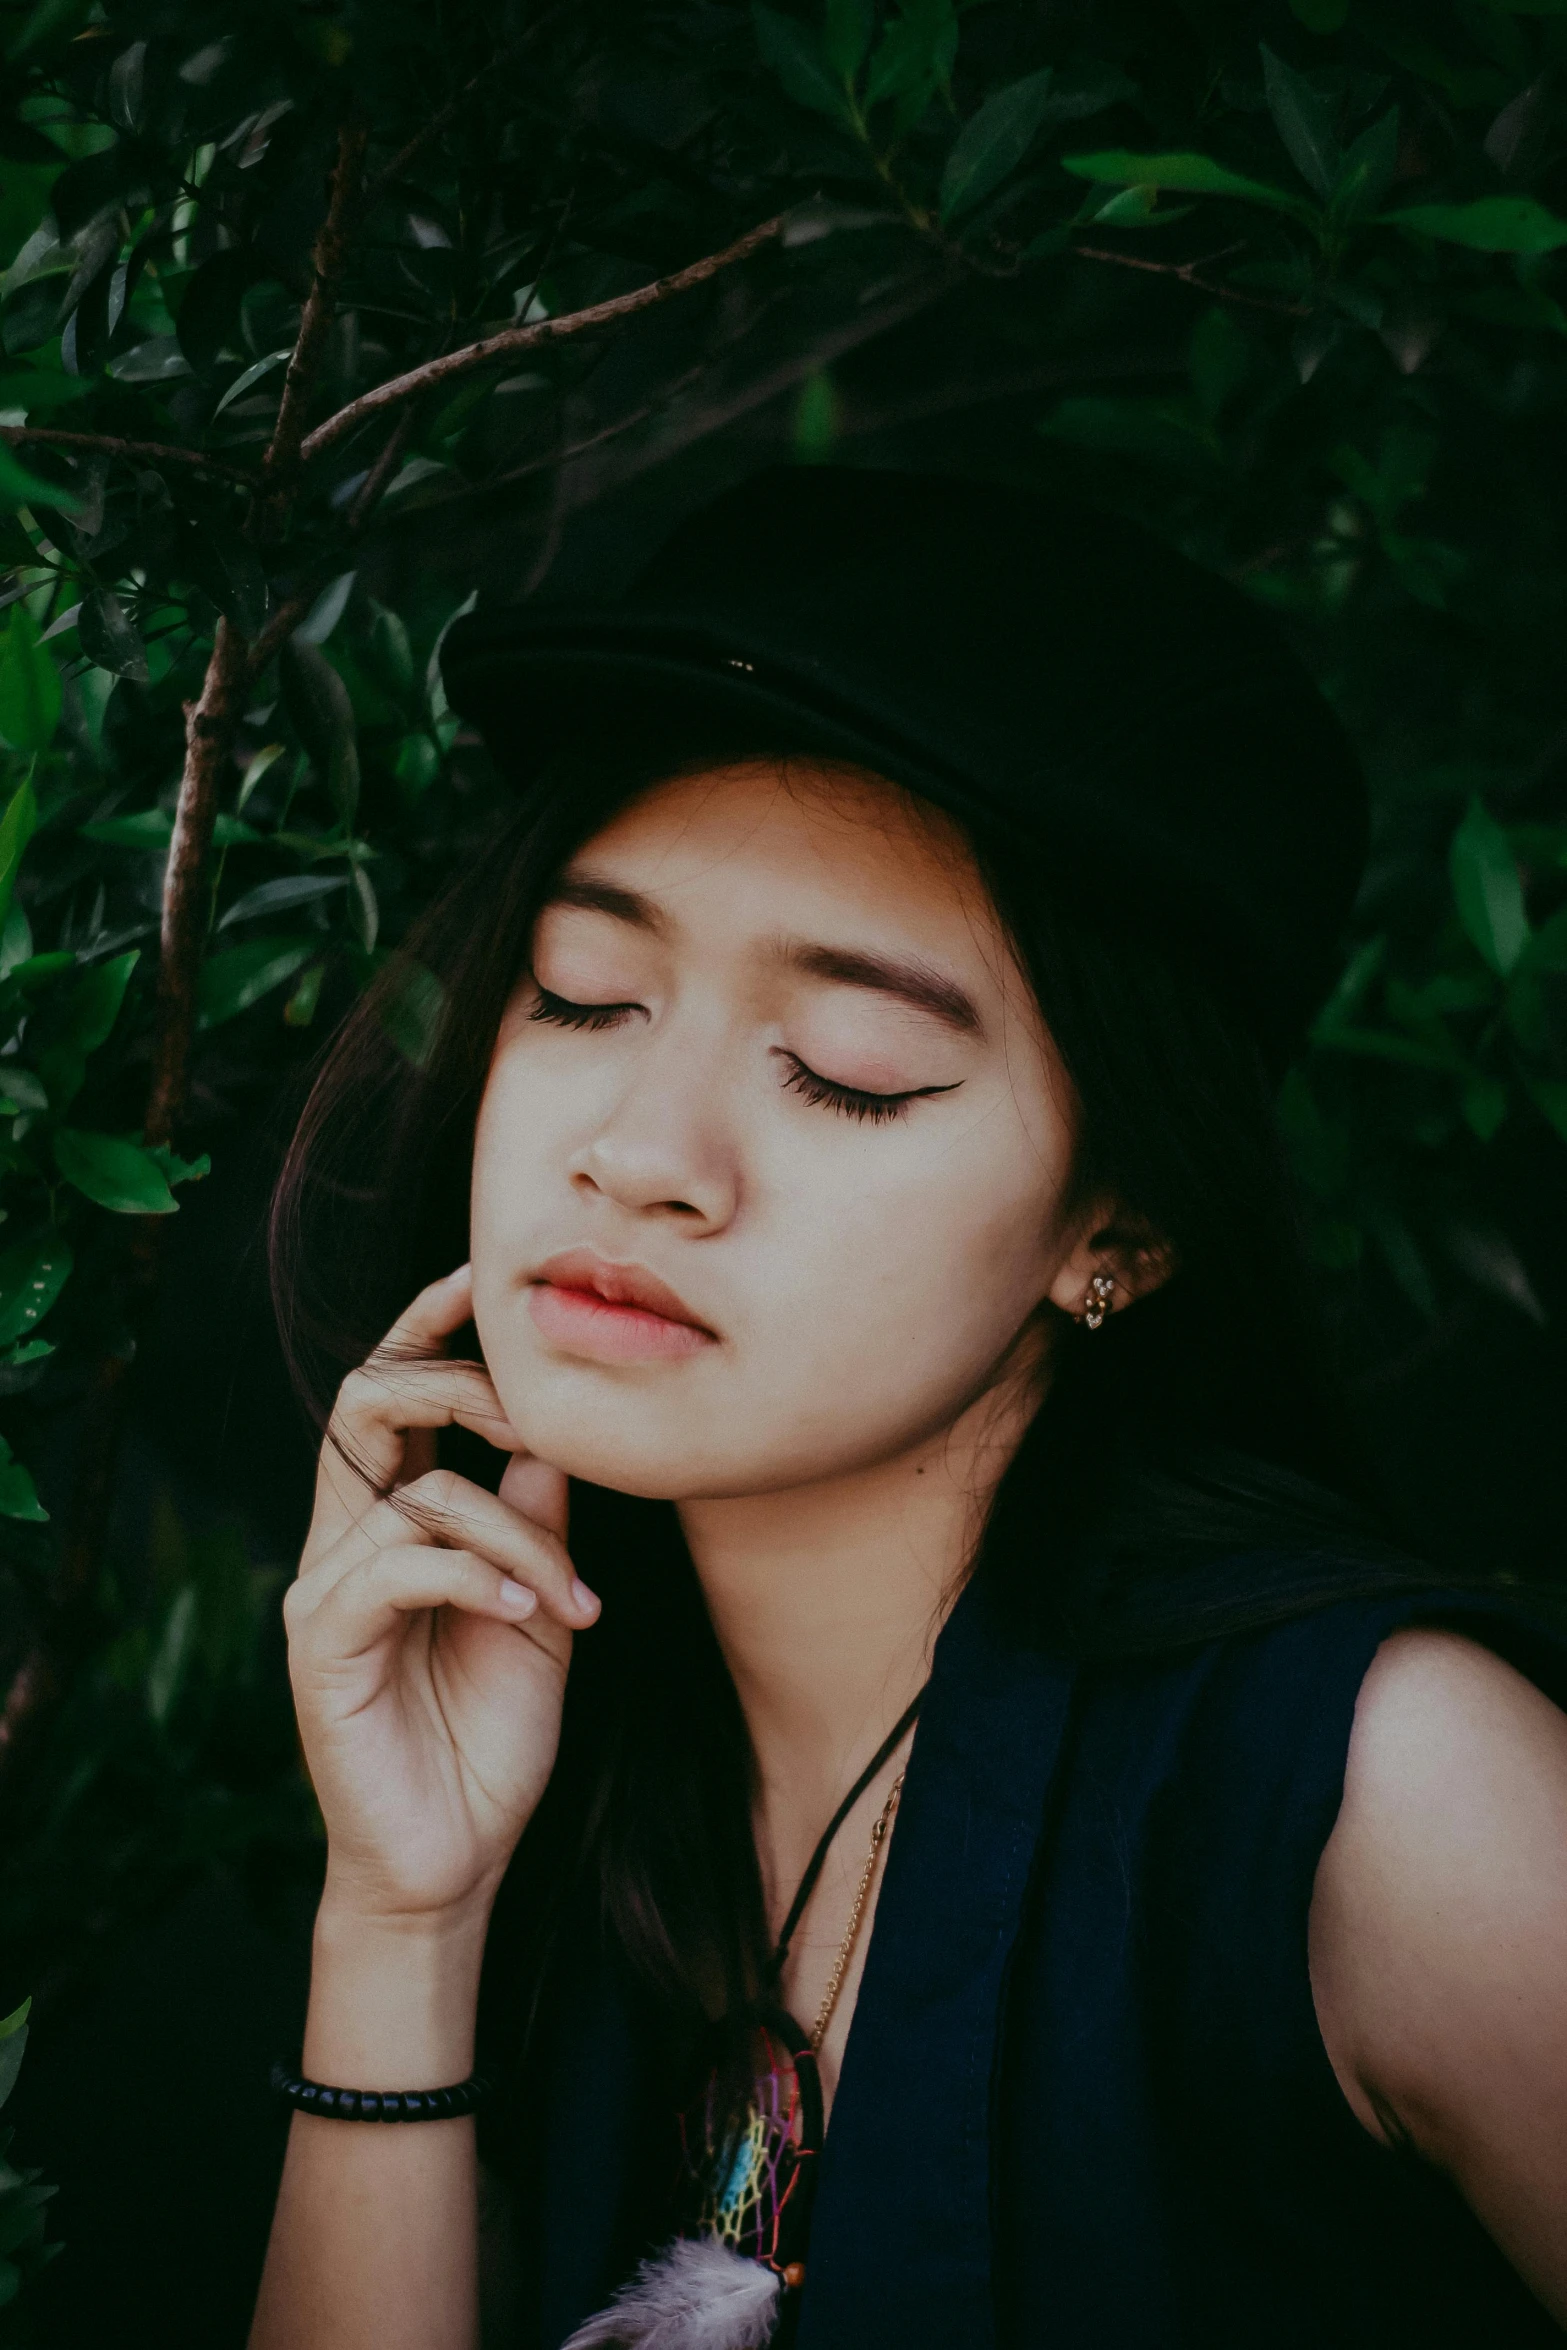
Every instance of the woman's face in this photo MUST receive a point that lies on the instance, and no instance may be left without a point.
(769, 1160)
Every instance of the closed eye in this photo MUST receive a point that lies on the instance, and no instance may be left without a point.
(853, 1101)
(561, 1012)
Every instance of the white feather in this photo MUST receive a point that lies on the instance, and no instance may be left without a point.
(696, 2295)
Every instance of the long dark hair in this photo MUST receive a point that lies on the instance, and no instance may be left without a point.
(1189, 1474)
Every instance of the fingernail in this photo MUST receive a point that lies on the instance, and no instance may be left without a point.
(518, 1597)
(583, 1598)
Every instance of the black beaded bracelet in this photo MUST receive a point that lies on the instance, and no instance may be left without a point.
(379, 2105)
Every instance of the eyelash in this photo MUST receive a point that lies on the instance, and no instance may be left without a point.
(562, 1014)
(850, 1101)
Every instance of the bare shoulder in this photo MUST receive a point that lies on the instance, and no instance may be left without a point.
(1438, 1934)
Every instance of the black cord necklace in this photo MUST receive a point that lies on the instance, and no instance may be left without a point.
(814, 1866)
(751, 2174)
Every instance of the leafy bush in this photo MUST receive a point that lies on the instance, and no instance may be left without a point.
(22, 2197)
(292, 294)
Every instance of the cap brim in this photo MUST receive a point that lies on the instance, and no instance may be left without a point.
(534, 688)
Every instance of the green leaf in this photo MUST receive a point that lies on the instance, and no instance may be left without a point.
(116, 1174)
(17, 827)
(19, 487)
(364, 910)
(172, 1654)
(96, 1000)
(1368, 169)
(800, 63)
(389, 654)
(1493, 224)
(1547, 950)
(1193, 175)
(32, 1275)
(816, 418)
(913, 60)
(153, 829)
(29, 685)
(1485, 1105)
(18, 1499)
(417, 765)
(327, 610)
(1322, 16)
(178, 1170)
(273, 897)
(49, 22)
(1487, 889)
(412, 1010)
(993, 142)
(1305, 120)
(1405, 1260)
(1549, 1095)
(251, 375)
(260, 766)
(318, 703)
(847, 34)
(110, 637)
(240, 976)
(20, 1090)
(300, 1009)
(13, 2045)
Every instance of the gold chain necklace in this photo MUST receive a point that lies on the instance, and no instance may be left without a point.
(840, 1964)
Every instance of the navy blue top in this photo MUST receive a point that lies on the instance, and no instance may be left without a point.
(1084, 2101)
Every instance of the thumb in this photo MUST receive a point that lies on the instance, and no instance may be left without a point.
(537, 1491)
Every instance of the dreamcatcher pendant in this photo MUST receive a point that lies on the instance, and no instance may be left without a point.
(731, 2279)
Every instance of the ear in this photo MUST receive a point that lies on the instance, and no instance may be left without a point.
(1126, 1253)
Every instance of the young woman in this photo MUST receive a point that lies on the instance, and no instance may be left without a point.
(966, 1836)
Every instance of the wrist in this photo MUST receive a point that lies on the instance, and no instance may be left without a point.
(392, 2000)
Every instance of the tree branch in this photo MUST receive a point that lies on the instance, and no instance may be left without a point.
(280, 466)
(111, 445)
(511, 340)
(209, 732)
(1187, 272)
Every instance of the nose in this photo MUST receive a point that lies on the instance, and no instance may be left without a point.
(662, 1149)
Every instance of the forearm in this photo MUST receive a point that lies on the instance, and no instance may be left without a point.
(375, 2238)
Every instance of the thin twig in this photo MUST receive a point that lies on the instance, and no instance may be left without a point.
(512, 340)
(368, 495)
(1187, 272)
(447, 114)
(282, 624)
(280, 467)
(111, 445)
(292, 610)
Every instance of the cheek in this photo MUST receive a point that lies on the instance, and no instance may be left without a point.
(916, 1265)
(517, 1139)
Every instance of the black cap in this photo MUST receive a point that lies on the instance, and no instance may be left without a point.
(1053, 670)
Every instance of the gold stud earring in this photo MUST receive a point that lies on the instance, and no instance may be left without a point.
(1097, 1303)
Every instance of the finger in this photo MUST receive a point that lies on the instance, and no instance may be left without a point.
(365, 1606)
(538, 1489)
(447, 1510)
(366, 1449)
(440, 1308)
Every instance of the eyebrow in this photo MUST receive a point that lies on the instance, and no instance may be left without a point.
(597, 896)
(904, 976)
(912, 981)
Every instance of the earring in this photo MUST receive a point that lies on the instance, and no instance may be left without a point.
(1097, 1303)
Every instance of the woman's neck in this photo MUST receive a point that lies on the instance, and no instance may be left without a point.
(826, 1600)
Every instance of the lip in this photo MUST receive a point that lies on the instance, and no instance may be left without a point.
(612, 1313)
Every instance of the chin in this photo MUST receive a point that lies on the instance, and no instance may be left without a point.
(610, 1443)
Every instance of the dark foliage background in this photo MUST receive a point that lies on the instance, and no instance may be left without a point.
(1285, 281)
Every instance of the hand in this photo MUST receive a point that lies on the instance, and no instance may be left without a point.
(430, 1631)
